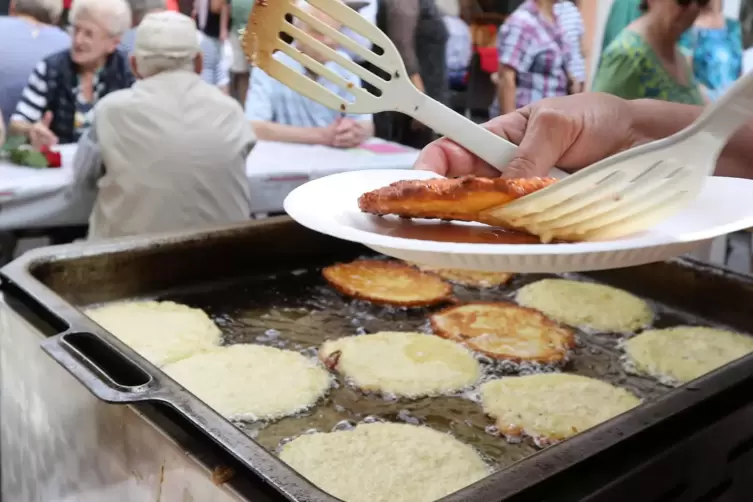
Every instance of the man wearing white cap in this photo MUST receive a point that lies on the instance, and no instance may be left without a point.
(169, 153)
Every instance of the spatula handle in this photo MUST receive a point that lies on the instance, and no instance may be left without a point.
(495, 150)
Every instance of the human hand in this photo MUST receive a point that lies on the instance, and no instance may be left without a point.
(40, 134)
(349, 133)
(570, 132)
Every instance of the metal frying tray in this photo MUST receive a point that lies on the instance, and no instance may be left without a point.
(692, 444)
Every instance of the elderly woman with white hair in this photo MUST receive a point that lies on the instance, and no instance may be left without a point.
(27, 36)
(170, 152)
(56, 104)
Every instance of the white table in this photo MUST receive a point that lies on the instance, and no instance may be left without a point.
(41, 198)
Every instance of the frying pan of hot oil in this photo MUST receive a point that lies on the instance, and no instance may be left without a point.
(299, 311)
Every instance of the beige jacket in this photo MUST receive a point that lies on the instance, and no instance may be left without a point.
(167, 154)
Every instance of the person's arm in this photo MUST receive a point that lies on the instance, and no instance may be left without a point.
(33, 103)
(515, 56)
(260, 114)
(401, 28)
(271, 131)
(655, 119)
(224, 21)
(87, 162)
(506, 89)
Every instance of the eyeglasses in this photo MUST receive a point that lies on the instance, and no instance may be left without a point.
(701, 3)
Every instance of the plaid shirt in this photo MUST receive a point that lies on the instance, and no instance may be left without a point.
(571, 23)
(536, 49)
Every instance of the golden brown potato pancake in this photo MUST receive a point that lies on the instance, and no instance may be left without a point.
(471, 278)
(463, 199)
(505, 331)
(388, 283)
(551, 407)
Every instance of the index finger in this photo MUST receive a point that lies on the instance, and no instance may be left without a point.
(49, 137)
(447, 158)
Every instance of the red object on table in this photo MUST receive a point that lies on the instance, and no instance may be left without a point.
(54, 159)
(489, 59)
(67, 4)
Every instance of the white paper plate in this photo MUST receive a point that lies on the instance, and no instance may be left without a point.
(330, 205)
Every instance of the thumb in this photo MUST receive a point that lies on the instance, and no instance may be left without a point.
(47, 119)
(539, 150)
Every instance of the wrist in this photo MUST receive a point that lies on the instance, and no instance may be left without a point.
(322, 136)
(651, 119)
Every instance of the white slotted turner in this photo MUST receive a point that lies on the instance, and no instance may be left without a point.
(262, 39)
(634, 190)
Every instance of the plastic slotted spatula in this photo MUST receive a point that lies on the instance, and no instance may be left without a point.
(634, 190)
(263, 37)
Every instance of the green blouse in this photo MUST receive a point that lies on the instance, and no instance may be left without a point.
(631, 69)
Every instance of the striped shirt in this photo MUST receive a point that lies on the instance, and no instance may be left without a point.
(571, 24)
(34, 100)
(537, 51)
(269, 100)
(23, 45)
(459, 44)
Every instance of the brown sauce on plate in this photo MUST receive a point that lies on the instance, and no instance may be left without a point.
(450, 232)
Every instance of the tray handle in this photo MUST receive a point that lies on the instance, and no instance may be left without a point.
(108, 374)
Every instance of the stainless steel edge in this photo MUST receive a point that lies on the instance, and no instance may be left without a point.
(93, 377)
(291, 485)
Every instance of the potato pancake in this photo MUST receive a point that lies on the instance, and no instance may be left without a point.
(552, 407)
(463, 199)
(161, 332)
(252, 382)
(678, 355)
(587, 305)
(388, 283)
(384, 462)
(470, 278)
(505, 331)
(403, 364)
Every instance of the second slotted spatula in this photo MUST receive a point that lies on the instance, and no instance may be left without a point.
(263, 37)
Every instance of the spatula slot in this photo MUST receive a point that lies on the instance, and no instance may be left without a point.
(323, 71)
(308, 14)
(323, 43)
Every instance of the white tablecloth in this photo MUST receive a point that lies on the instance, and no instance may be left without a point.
(34, 198)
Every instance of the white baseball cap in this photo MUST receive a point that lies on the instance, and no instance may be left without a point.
(167, 34)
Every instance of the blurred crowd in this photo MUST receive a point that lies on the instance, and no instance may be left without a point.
(165, 107)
